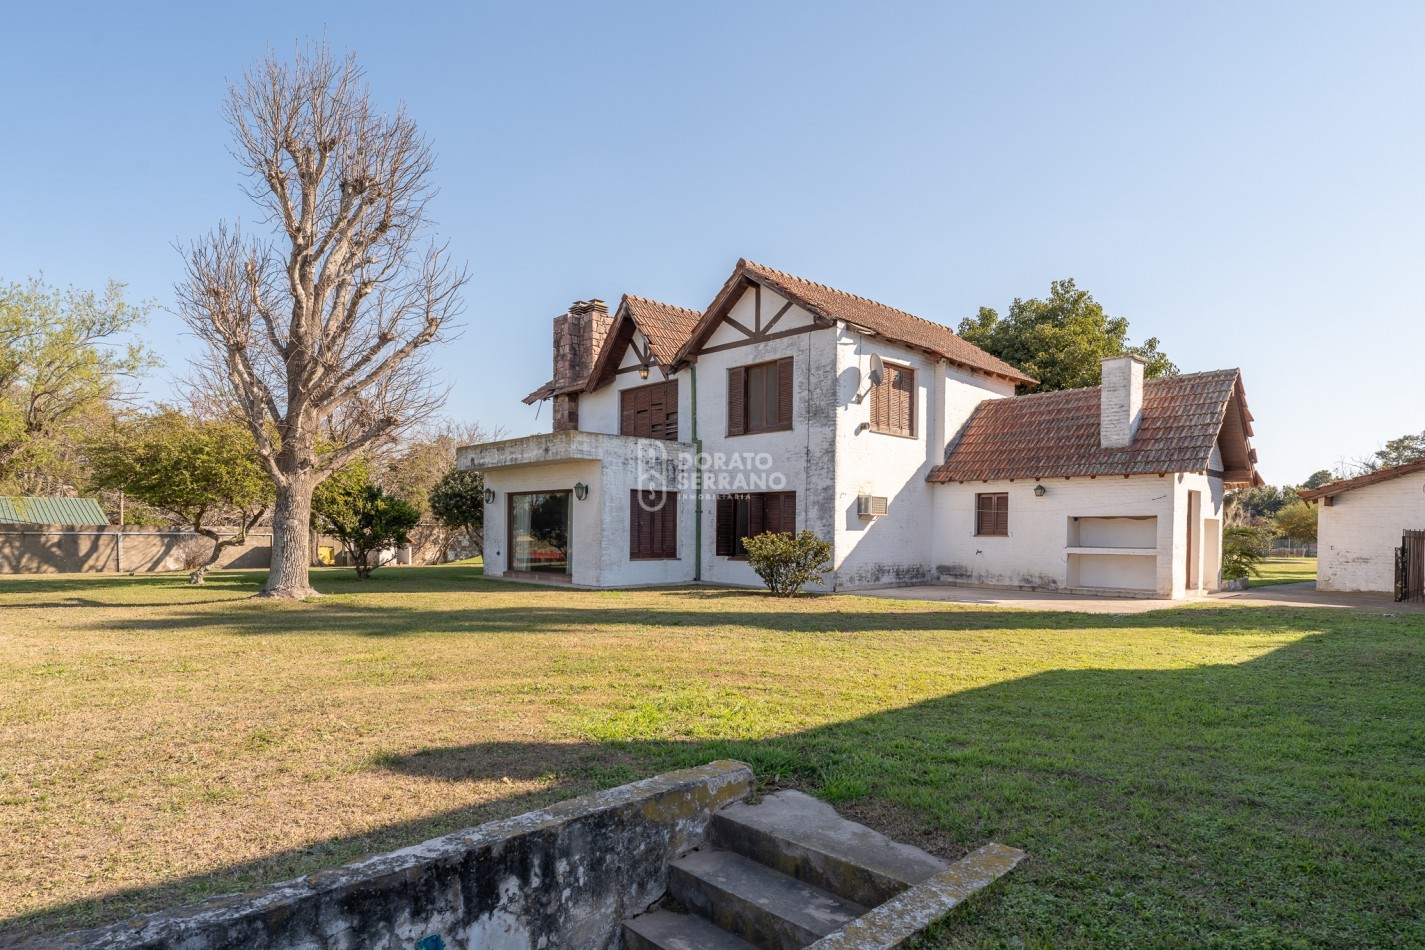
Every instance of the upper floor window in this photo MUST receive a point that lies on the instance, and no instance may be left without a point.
(759, 397)
(992, 514)
(650, 411)
(893, 402)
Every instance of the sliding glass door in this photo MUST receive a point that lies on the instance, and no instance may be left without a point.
(539, 532)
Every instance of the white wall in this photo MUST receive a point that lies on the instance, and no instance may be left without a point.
(897, 548)
(803, 456)
(1041, 539)
(1358, 534)
(585, 528)
(599, 529)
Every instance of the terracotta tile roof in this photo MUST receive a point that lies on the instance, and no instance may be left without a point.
(888, 322)
(1361, 481)
(667, 327)
(1049, 435)
(540, 394)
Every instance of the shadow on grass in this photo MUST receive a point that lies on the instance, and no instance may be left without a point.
(1275, 801)
(393, 604)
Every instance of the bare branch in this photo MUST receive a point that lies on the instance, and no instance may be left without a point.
(322, 336)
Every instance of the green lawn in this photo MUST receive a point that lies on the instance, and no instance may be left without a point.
(1284, 570)
(1201, 775)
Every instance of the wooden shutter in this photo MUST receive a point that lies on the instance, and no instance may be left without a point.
(651, 411)
(789, 512)
(756, 515)
(737, 400)
(726, 526)
(779, 512)
(670, 410)
(668, 540)
(880, 407)
(628, 413)
(992, 514)
(784, 393)
(902, 408)
(893, 402)
(653, 524)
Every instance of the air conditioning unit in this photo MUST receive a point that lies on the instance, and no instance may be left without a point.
(871, 506)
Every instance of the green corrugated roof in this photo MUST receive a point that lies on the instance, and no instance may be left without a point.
(17, 510)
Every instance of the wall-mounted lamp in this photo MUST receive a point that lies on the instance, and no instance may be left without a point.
(489, 496)
(1040, 491)
(862, 427)
(643, 371)
(581, 491)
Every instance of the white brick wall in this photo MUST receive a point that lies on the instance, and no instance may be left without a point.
(1358, 534)
(1120, 401)
(897, 548)
(1038, 549)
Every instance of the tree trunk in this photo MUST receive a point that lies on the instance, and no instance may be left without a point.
(291, 542)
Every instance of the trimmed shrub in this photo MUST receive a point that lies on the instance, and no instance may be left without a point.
(787, 563)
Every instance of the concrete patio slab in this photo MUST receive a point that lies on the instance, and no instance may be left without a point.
(1279, 595)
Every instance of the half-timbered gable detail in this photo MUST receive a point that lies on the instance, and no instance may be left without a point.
(789, 405)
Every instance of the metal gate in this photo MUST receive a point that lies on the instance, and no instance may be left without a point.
(1410, 568)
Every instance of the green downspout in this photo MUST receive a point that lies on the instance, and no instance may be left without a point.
(697, 483)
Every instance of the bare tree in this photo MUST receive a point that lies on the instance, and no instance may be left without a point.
(317, 338)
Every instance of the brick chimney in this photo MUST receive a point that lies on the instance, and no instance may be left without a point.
(1120, 400)
(578, 335)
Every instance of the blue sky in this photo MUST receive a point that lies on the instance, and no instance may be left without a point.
(1243, 181)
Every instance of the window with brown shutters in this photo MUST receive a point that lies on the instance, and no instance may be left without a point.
(650, 411)
(745, 516)
(652, 525)
(759, 397)
(893, 402)
(992, 514)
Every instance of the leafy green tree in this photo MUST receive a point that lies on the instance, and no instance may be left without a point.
(786, 562)
(1243, 548)
(1297, 522)
(1257, 504)
(1061, 340)
(199, 472)
(62, 357)
(1319, 478)
(458, 502)
(1407, 448)
(350, 508)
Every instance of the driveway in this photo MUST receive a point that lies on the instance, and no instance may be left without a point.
(1278, 595)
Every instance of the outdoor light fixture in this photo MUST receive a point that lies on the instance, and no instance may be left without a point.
(489, 496)
(1040, 491)
(643, 371)
(581, 491)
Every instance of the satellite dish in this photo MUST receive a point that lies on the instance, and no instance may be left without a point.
(878, 370)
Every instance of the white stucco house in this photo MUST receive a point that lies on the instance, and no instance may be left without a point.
(786, 404)
(1364, 524)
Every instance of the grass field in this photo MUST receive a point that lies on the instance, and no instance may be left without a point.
(1284, 570)
(1190, 776)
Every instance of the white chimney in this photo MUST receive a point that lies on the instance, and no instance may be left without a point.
(1120, 400)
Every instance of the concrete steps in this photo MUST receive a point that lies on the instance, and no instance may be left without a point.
(665, 930)
(762, 906)
(789, 872)
(805, 838)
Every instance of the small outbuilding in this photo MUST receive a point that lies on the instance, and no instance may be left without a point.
(1371, 532)
(18, 510)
